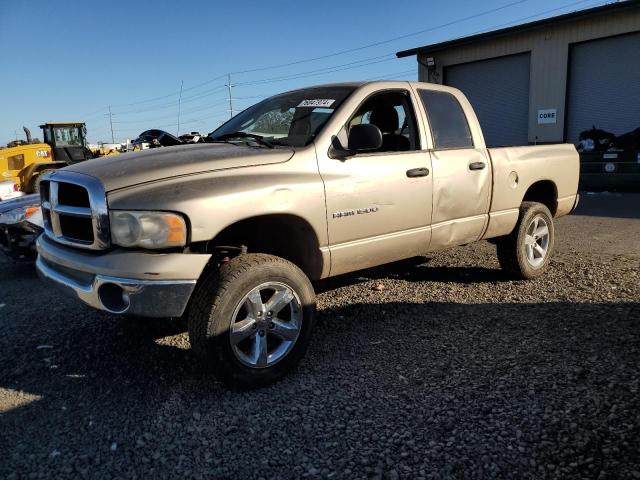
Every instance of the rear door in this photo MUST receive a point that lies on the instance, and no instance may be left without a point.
(461, 170)
(379, 203)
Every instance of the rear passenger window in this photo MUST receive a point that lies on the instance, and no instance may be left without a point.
(448, 122)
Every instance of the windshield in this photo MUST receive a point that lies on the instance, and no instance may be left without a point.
(67, 136)
(292, 119)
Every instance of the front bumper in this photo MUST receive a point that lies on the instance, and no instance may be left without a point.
(149, 285)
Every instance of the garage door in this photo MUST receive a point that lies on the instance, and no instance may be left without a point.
(498, 89)
(604, 86)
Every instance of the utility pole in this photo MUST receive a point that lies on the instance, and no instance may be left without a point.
(111, 124)
(230, 99)
(179, 105)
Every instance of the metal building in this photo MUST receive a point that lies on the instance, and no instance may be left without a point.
(548, 80)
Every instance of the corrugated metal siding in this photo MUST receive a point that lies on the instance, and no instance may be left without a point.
(498, 89)
(604, 86)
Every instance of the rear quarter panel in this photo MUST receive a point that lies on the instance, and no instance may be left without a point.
(517, 168)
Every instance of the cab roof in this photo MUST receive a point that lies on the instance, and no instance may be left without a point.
(61, 123)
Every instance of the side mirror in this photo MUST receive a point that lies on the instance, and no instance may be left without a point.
(364, 137)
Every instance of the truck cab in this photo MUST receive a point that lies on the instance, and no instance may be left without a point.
(68, 141)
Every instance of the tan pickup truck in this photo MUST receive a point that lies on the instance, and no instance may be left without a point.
(302, 186)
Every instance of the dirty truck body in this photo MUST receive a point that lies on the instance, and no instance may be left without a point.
(335, 179)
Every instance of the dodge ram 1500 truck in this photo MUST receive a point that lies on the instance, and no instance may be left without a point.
(304, 185)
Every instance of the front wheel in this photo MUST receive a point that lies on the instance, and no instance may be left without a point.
(525, 253)
(251, 320)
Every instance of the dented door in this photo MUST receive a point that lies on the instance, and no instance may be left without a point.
(461, 196)
(376, 213)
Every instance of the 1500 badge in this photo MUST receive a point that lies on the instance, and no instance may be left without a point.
(357, 211)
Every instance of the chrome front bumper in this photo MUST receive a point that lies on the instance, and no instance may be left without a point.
(75, 273)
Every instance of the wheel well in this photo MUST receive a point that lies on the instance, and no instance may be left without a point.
(544, 192)
(287, 236)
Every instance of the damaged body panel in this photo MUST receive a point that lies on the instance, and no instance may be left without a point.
(17, 233)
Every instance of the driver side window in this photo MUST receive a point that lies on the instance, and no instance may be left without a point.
(392, 113)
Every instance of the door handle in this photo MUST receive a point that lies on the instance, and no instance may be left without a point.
(417, 172)
(477, 166)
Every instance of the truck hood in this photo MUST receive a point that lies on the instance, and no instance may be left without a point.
(134, 168)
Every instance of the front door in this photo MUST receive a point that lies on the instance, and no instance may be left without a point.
(379, 203)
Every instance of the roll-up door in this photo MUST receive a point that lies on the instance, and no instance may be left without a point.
(604, 86)
(498, 89)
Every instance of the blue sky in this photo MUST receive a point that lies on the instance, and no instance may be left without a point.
(69, 60)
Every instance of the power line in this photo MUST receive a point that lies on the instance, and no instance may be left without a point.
(171, 125)
(392, 76)
(533, 16)
(521, 19)
(198, 96)
(355, 64)
(314, 73)
(170, 94)
(383, 42)
(342, 52)
(342, 67)
(320, 71)
(93, 113)
(310, 73)
(359, 63)
(198, 109)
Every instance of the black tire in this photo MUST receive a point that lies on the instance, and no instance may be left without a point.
(34, 185)
(34, 181)
(512, 249)
(220, 292)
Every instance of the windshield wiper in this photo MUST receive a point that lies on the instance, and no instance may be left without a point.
(228, 136)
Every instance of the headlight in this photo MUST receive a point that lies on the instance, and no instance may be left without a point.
(18, 215)
(147, 229)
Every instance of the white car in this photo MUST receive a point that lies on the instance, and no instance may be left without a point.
(9, 189)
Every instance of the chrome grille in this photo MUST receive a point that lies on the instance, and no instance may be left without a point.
(74, 208)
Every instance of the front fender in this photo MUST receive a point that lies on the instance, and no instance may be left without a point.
(216, 200)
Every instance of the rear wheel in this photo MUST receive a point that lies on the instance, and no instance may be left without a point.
(525, 253)
(251, 320)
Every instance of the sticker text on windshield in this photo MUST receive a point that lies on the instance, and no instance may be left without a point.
(321, 102)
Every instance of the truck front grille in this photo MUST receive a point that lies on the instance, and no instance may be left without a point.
(74, 210)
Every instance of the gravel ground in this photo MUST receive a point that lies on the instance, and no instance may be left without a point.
(438, 367)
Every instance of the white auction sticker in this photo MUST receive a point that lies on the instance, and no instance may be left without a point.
(321, 102)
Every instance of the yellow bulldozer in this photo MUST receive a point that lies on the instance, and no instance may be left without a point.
(25, 161)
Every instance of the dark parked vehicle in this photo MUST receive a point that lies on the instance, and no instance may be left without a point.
(156, 138)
